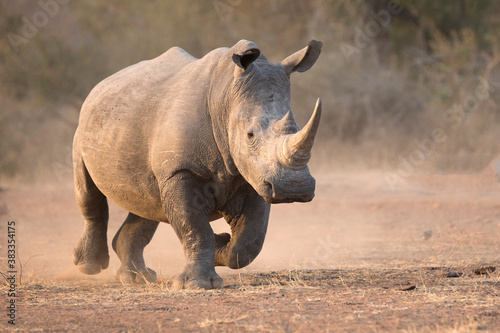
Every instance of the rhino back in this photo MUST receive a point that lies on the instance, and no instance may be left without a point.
(141, 125)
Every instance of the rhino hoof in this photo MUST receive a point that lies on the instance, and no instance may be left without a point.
(140, 277)
(93, 258)
(184, 282)
(91, 268)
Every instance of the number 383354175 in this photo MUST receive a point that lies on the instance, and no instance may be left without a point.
(11, 243)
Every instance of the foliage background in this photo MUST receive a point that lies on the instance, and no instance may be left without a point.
(384, 91)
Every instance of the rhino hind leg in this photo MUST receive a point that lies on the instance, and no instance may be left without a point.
(129, 243)
(91, 253)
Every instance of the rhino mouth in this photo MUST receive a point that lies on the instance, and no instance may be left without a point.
(287, 200)
(284, 192)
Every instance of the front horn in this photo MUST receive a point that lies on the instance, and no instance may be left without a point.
(296, 148)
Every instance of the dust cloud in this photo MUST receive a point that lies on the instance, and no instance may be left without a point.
(356, 219)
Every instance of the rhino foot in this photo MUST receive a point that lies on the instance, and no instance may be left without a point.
(142, 276)
(91, 255)
(190, 280)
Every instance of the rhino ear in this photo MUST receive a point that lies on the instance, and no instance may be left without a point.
(246, 58)
(304, 59)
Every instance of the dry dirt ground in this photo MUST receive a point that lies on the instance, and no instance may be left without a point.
(361, 257)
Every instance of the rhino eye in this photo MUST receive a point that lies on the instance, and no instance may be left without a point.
(252, 134)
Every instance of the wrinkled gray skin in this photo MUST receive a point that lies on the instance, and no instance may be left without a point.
(185, 141)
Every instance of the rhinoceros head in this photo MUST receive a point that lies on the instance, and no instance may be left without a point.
(267, 146)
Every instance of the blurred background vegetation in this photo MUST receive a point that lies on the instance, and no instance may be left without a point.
(391, 72)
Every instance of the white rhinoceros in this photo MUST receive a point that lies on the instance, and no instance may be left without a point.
(186, 141)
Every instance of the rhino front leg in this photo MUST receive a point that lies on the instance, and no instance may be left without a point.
(91, 253)
(188, 213)
(247, 214)
(129, 243)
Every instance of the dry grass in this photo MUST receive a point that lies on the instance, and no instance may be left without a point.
(409, 299)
